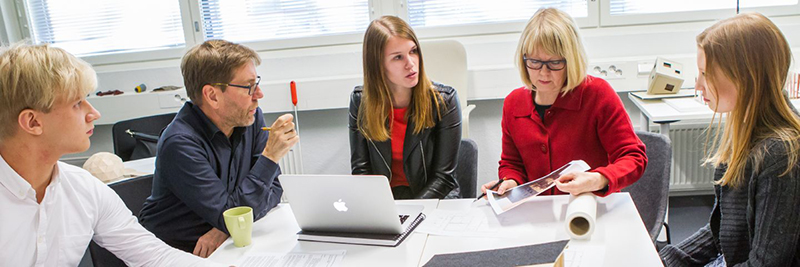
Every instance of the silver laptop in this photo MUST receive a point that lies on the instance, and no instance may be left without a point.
(346, 203)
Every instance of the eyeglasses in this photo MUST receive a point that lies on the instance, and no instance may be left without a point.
(537, 64)
(250, 88)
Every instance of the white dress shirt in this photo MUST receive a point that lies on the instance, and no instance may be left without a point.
(77, 208)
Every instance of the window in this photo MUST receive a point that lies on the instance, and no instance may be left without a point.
(622, 7)
(423, 13)
(626, 12)
(255, 20)
(94, 27)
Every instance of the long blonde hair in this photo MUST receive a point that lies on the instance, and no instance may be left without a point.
(375, 111)
(751, 51)
(555, 32)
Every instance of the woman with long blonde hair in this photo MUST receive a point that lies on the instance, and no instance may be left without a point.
(402, 125)
(743, 63)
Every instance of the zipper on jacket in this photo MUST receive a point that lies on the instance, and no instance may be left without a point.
(424, 169)
(384, 159)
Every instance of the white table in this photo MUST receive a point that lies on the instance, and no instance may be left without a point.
(145, 165)
(660, 112)
(277, 232)
(619, 229)
(140, 167)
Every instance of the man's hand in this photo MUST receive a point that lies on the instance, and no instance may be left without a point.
(576, 183)
(282, 137)
(209, 242)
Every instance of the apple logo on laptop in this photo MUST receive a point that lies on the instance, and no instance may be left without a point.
(340, 205)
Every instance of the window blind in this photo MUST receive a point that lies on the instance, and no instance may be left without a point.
(626, 7)
(90, 27)
(254, 20)
(455, 12)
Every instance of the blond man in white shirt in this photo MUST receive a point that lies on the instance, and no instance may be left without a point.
(51, 210)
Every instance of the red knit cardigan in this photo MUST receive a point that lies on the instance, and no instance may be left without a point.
(588, 123)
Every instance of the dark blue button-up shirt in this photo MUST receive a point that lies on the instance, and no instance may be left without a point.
(200, 173)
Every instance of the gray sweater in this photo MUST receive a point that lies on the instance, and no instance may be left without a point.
(757, 224)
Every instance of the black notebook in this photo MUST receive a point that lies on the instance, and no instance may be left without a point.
(546, 254)
(388, 240)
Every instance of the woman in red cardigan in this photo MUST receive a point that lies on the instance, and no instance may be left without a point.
(562, 114)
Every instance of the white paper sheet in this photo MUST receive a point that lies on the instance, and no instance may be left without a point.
(329, 258)
(472, 223)
(582, 255)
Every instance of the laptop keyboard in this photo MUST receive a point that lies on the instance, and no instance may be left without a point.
(403, 218)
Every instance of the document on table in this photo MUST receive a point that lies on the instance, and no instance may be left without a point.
(515, 196)
(328, 258)
(472, 222)
(584, 255)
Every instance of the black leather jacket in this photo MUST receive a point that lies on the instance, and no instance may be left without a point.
(429, 158)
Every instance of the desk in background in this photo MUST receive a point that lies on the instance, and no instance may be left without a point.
(663, 113)
(145, 165)
(619, 229)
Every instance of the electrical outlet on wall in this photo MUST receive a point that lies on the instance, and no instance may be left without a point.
(608, 70)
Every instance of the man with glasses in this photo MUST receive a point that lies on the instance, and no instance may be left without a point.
(215, 155)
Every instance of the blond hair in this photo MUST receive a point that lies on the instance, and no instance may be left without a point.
(375, 111)
(36, 77)
(556, 33)
(213, 61)
(751, 51)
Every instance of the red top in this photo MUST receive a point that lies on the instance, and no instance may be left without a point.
(399, 124)
(588, 123)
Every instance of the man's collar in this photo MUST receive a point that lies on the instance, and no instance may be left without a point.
(208, 127)
(13, 182)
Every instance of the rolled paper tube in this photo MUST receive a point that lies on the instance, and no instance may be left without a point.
(581, 214)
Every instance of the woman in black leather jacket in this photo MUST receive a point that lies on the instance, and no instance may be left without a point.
(402, 125)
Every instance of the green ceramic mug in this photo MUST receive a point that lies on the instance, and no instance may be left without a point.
(239, 221)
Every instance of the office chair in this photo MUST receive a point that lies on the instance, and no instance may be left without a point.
(467, 170)
(446, 62)
(651, 192)
(133, 193)
(124, 142)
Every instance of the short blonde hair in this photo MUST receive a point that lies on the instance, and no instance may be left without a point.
(36, 77)
(556, 33)
(213, 61)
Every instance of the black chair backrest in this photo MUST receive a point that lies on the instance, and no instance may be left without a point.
(467, 169)
(124, 143)
(133, 193)
(651, 192)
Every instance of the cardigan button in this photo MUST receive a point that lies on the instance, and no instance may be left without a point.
(544, 149)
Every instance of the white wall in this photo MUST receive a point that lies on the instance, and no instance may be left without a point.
(326, 75)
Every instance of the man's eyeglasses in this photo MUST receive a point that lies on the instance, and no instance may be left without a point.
(250, 88)
(537, 64)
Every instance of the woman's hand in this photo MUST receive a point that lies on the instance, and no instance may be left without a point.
(505, 185)
(576, 183)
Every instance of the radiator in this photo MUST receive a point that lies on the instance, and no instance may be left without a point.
(687, 175)
(292, 163)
